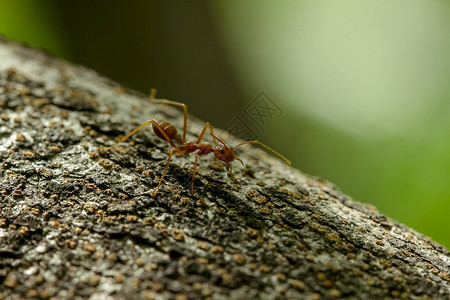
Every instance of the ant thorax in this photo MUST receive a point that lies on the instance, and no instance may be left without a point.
(204, 148)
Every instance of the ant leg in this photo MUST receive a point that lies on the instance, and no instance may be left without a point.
(230, 170)
(126, 137)
(152, 94)
(164, 172)
(166, 137)
(179, 104)
(207, 126)
(193, 175)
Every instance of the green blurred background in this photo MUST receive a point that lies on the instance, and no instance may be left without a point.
(364, 86)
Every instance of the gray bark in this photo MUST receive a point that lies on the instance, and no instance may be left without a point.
(76, 223)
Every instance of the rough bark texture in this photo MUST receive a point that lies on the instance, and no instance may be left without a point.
(76, 223)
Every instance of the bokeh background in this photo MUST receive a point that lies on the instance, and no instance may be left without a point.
(363, 86)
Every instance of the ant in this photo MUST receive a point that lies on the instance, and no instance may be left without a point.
(167, 132)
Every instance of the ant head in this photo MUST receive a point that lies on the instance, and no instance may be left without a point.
(224, 153)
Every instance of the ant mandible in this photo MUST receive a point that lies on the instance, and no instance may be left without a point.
(167, 132)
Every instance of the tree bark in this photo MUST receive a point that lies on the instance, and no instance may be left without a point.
(76, 223)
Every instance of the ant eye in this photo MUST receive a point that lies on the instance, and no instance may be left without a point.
(222, 151)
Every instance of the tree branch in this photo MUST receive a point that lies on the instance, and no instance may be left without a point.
(78, 223)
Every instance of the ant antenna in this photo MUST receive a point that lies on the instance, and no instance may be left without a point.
(222, 142)
(262, 145)
(237, 158)
(255, 142)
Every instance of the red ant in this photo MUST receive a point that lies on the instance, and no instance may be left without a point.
(166, 131)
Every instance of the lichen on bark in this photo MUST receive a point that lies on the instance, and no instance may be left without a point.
(76, 223)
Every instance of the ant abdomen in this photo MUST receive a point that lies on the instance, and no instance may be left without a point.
(168, 129)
